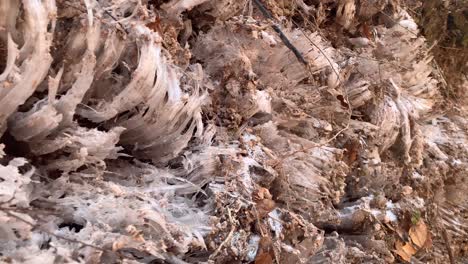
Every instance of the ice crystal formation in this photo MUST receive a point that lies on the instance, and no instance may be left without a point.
(226, 131)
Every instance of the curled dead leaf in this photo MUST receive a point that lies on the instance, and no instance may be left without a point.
(263, 258)
(156, 25)
(135, 233)
(265, 206)
(261, 193)
(406, 190)
(404, 250)
(264, 201)
(420, 238)
(352, 152)
(118, 245)
(428, 243)
(419, 233)
(265, 254)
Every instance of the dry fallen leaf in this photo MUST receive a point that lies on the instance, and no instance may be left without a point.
(265, 206)
(404, 250)
(264, 201)
(265, 254)
(352, 151)
(261, 193)
(420, 238)
(135, 233)
(419, 234)
(406, 190)
(263, 258)
(428, 243)
(119, 244)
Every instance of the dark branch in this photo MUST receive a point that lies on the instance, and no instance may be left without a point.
(282, 36)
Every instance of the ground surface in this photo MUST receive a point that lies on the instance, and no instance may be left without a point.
(202, 131)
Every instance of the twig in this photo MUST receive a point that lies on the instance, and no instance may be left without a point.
(228, 238)
(105, 11)
(451, 48)
(304, 150)
(71, 240)
(257, 217)
(380, 72)
(320, 49)
(397, 23)
(52, 234)
(114, 18)
(446, 238)
(444, 233)
(282, 36)
(285, 40)
(49, 211)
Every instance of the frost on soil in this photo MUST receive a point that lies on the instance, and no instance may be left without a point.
(186, 131)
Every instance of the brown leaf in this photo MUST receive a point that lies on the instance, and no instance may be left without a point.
(428, 243)
(351, 154)
(119, 244)
(419, 233)
(366, 31)
(404, 250)
(156, 25)
(261, 193)
(265, 244)
(263, 258)
(265, 206)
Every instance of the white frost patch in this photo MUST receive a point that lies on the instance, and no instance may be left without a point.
(2, 153)
(249, 137)
(14, 187)
(246, 178)
(418, 176)
(252, 248)
(390, 216)
(375, 212)
(409, 24)
(275, 225)
(418, 202)
(268, 38)
(364, 204)
(390, 205)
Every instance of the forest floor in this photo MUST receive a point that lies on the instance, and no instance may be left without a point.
(229, 131)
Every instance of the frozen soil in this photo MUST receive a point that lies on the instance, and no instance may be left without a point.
(203, 131)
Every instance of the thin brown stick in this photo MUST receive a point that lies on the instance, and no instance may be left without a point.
(445, 236)
(105, 11)
(31, 210)
(52, 234)
(228, 238)
(396, 22)
(303, 150)
(320, 49)
(282, 36)
(448, 246)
